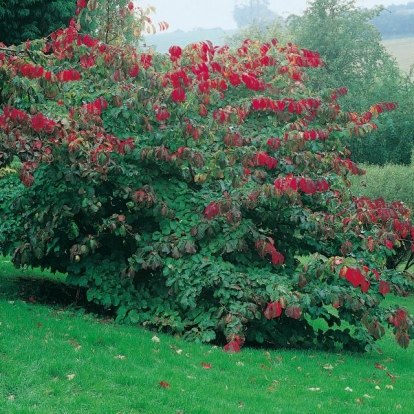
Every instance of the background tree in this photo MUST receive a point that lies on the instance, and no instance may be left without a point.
(32, 19)
(355, 59)
(117, 21)
(272, 29)
(396, 20)
(253, 12)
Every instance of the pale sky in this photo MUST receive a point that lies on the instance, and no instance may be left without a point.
(189, 14)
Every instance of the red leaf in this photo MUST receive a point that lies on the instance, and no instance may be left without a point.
(294, 312)
(273, 310)
(232, 346)
(402, 339)
(212, 210)
(384, 287)
(32, 299)
(205, 366)
(164, 384)
(178, 95)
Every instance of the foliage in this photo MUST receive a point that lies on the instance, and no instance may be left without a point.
(253, 13)
(116, 21)
(275, 29)
(30, 19)
(392, 182)
(182, 188)
(350, 45)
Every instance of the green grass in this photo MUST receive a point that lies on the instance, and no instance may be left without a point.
(392, 182)
(55, 360)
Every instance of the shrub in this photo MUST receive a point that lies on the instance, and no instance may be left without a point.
(182, 188)
(392, 182)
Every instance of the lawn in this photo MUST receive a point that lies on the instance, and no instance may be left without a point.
(60, 359)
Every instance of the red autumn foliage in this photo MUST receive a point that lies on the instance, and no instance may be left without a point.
(273, 310)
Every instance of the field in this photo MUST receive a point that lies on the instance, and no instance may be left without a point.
(403, 50)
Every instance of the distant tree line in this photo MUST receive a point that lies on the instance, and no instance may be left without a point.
(396, 21)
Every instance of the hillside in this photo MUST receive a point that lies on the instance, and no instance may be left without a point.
(403, 50)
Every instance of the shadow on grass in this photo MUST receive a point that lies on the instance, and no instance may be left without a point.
(51, 293)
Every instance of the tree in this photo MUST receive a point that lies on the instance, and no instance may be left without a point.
(275, 29)
(116, 21)
(346, 40)
(253, 12)
(32, 19)
(201, 193)
(350, 46)
(396, 20)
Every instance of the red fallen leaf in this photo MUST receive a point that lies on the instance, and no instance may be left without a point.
(32, 299)
(205, 366)
(164, 384)
(232, 346)
(379, 366)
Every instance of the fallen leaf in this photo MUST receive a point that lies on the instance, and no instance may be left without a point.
(179, 351)
(120, 357)
(367, 396)
(205, 366)
(191, 377)
(393, 376)
(32, 299)
(232, 346)
(164, 384)
(328, 366)
(314, 389)
(70, 377)
(240, 364)
(359, 400)
(377, 387)
(349, 389)
(389, 387)
(379, 366)
(155, 339)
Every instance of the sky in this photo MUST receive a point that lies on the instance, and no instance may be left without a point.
(189, 14)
